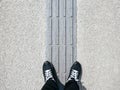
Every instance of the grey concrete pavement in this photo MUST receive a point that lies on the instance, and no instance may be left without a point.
(22, 49)
(99, 43)
(22, 43)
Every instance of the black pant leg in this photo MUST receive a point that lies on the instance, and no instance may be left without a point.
(50, 85)
(71, 85)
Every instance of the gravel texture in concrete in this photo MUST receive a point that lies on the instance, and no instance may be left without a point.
(22, 49)
(22, 43)
(98, 43)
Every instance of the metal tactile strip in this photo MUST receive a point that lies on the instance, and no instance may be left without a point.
(61, 35)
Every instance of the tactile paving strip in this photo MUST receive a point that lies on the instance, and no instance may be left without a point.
(61, 35)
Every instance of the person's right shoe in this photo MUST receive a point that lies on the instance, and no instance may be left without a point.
(75, 72)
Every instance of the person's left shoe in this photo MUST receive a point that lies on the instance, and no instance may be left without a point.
(48, 71)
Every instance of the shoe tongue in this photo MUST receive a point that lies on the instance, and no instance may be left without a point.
(48, 74)
(50, 79)
(72, 79)
(74, 75)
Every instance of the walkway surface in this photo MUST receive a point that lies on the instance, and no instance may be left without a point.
(22, 43)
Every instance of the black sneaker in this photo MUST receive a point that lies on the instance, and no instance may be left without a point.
(75, 72)
(49, 71)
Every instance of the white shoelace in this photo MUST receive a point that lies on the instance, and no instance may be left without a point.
(48, 75)
(74, 75)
